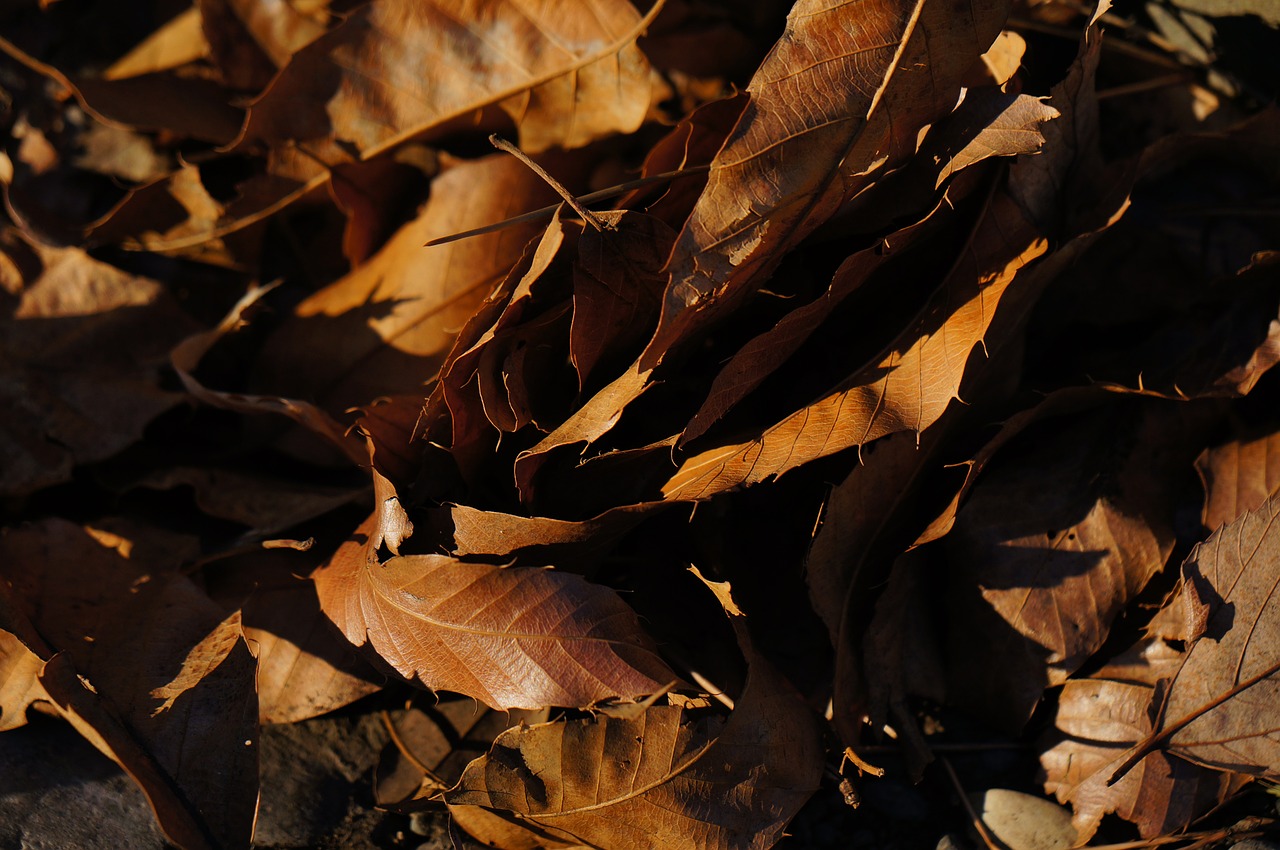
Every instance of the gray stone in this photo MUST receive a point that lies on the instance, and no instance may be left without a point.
(58, 792)
(1020, 821)
(1255, 844)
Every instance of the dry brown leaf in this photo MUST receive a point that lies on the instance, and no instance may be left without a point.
(1223, 708)
(305, 668)
(840, 97)
(617, 291)
(19, 683)
(1052, 545)
(665, 779)
(144, 665)
(174, 44)
(250, 41)
(1238, 477)
(386, 327)
(186, 356)
(1097, 720)
(528, 539)
(396, 68)
(81, 353)
(512, 637)
(907, 389)
(267, 505)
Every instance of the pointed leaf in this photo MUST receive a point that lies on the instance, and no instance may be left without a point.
(842, 95)
(396, 68)
(512, 637)
(662, 780)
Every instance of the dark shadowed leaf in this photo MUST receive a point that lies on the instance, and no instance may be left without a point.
(81, 353)
(1238, 477)
(144, 665)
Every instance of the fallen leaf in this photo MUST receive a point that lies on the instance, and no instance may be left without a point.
(1097, 719)
(377, 79)
(512, 637)
(1221, 708)
(386, 328)
(19, 682)
(617, 291)
(82, 351)
(666, 779)
(144, 665)
(1051, 546)
(250, 41)
(1238, 476)
(868, 78)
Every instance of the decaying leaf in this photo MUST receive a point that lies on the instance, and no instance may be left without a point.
(1222, 705)
(1097, 720)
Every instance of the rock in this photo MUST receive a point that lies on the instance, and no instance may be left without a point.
(1255, 844)
(1020, 821)
(57, 791)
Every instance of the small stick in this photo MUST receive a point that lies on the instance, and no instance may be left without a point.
(587, 215)
(964, 798)
(427, 773)
(546, 212)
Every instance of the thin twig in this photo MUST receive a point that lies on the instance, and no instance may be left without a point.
(1144, 747)
(973, 814)
(548, 211)
(587, 215)
(428, 773)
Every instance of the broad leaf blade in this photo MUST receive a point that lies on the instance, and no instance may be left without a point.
(1229, 686)
(512, 637)
(396, 68)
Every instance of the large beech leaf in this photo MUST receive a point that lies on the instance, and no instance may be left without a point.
(145, 666)
(841, 96)
(1225, 701)
(1096, 720)
(664, 779)
(512, 637)
(396, 68)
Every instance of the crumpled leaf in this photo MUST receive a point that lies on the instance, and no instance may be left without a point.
(383, 75)
(146, 667)
(512, 637)
(1225, 701)
(664, 779)
(840, 97)
(1097, 720)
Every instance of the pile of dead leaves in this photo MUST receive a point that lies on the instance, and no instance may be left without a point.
(834, 365)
